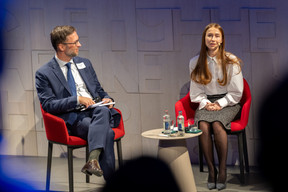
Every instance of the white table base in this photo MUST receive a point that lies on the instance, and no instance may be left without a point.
(175, 153)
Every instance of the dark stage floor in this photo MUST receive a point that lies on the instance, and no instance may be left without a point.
(33, 170)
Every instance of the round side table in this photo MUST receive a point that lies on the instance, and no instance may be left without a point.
(173, 150)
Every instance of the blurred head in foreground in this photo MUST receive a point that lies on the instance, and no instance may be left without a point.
(142, 174)
(273, 137)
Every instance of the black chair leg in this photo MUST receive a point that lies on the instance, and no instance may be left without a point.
(87, 157)
(49, 162)
(70, 168)
(200, 157)
(245, 152)
(119, 152)
(240, 148)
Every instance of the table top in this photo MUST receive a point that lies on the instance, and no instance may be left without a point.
(157, 134)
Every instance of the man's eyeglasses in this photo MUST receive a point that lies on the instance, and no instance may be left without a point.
(75, 43)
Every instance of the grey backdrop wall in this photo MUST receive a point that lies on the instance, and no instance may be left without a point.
(140, 50)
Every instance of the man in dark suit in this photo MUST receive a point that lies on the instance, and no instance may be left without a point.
(67, 82)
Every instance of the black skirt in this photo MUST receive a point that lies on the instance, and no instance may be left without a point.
(225, 115)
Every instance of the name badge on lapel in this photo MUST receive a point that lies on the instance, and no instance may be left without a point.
(80, 65)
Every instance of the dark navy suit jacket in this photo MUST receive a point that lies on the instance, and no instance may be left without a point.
(54, 92)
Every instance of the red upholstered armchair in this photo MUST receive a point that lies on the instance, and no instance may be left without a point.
(57, 133)
(188, 109)
(237, 127)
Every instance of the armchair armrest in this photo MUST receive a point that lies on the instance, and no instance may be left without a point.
(187, 107)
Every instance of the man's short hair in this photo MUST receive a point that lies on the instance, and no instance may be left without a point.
(59, 33)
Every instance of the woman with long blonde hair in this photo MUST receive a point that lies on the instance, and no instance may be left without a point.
(217, 85)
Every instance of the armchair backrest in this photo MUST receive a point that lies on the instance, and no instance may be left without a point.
(119, 131)
(245, 102)
(246, 97)
(55, 128)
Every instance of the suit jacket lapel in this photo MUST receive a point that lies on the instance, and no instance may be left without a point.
(59, 74)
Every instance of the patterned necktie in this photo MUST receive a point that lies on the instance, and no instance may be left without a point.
(70, 80)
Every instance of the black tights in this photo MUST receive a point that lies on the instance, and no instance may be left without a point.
(221, 144)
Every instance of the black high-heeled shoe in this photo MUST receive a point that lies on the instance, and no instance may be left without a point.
(212, 184)
(220, 185)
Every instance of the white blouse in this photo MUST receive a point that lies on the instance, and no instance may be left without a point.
(233, 89)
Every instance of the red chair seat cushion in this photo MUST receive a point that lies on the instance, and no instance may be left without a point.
(72, 140)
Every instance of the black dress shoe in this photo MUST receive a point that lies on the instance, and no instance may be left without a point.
(92, 167)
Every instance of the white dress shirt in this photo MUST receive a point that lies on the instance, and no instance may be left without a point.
(233, 89)
(81, 88)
